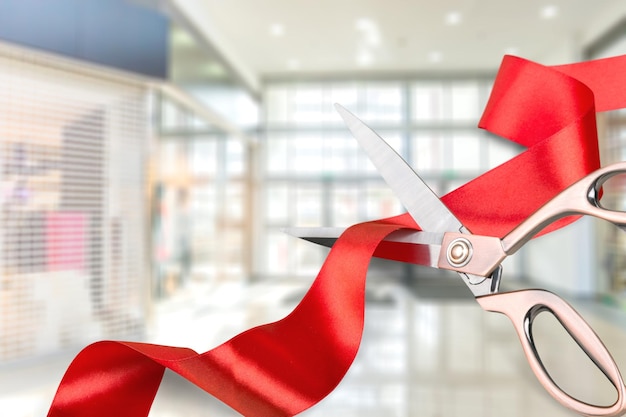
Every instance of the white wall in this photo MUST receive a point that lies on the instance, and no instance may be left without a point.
(565, 260)
(604, 19)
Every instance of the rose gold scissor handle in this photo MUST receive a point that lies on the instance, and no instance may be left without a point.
(580, 198)
(521, 307)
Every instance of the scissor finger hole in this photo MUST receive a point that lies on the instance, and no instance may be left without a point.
(608, 192)
(566, 362)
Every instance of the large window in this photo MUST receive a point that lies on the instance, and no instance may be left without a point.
(315, 174)
(200, 192)
(611, 241)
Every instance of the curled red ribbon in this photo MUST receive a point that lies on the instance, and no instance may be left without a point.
(283, 368)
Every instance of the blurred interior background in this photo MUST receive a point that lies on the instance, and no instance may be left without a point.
(152, 151)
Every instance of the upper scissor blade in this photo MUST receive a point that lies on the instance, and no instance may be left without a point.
(418, 199)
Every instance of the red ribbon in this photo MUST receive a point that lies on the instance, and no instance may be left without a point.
(283, 368)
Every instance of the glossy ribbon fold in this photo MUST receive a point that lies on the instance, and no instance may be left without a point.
(283, 368)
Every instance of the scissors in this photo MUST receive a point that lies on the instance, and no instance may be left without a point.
(445, 243)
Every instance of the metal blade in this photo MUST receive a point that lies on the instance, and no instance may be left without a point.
(418, 199)
(332, 233)
(425, 246)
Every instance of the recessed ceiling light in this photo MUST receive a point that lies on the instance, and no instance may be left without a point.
(293, 64)
(435, 56)
(370, 34)
(453, 18)
(364, 58)
(182, 38)
(364, 24)
(277, 29)
(549, 11)
(213, 70)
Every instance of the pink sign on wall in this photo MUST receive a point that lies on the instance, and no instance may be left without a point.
(65, 240)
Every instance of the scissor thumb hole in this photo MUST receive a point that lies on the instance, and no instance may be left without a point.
(566, 362)
(522, 308)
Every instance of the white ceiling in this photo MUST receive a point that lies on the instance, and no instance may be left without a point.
(351, 36)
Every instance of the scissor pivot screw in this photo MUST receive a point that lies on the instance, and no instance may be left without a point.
(459, 252)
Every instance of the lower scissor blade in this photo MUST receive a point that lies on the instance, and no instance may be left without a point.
(421, 248)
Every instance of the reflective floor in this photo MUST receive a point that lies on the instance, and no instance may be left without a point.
(422, 355)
